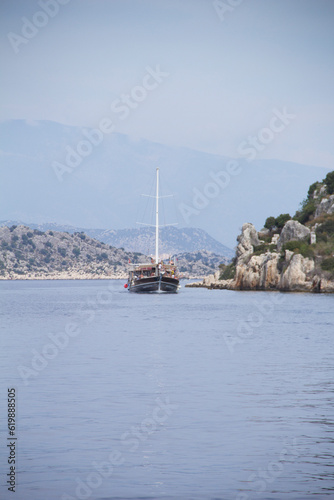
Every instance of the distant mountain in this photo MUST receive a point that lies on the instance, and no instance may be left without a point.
(101, 186)
(172, 240)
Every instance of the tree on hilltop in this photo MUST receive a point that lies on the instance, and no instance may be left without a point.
(282, 219)
(270, 223)
(329, 181)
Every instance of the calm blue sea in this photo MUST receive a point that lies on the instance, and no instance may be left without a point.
(206, 394)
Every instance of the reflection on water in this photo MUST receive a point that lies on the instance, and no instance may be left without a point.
(140, 396)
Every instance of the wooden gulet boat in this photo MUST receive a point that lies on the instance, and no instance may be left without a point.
(156, 276)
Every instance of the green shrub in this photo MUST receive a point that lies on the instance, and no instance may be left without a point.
(76, 251)
(329, 181)
(48, 244)
(259, 249)
(227, 271)
(307, 209)
(328, 264)
(18, 254)
(322, 237)
(281, 220)
(327, 227)
(270, 223)
(299, 246)
(30, 234)
(11, 229)
(2, 264)
(311, 190)
(62, 251)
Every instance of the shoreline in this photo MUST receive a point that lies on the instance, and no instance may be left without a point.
(71, 277)
(229, 285)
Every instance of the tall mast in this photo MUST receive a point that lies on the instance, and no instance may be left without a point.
(157, 220)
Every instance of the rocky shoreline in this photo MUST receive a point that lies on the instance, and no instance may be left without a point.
(61, 276)
(278, 270)
(288, 254)
(75, 275)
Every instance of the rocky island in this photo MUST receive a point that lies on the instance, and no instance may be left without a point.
(29, 253)
(289, 253)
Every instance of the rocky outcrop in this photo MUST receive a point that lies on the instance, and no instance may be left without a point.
(271, 270)
(260, 273)
(326, 206)
(298, 275)
(292, 230)
(246, 242)
(212, 278)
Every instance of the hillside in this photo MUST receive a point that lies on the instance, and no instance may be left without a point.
(289, 253)
(27, 253)
(200, 263)
(172, 239)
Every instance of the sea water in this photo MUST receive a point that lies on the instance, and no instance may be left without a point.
(205, 394)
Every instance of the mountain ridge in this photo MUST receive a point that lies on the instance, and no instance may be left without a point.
(105, 188)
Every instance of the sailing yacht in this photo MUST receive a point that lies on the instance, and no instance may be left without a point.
(158, 275)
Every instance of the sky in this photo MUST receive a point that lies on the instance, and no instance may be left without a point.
(221, 70)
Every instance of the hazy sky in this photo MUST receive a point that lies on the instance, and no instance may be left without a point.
(226, 66)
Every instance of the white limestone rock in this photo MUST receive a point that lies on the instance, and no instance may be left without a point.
(297, 275)
(326, 206)
(260, 273)
(292, 230)
(246, 242)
